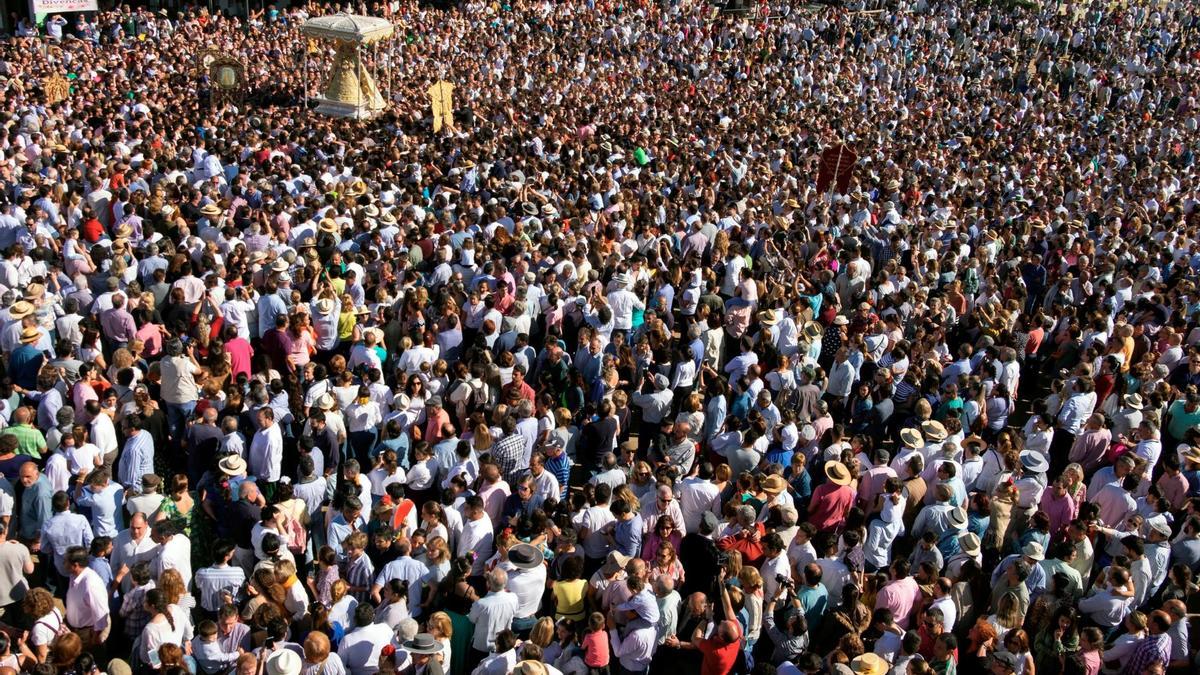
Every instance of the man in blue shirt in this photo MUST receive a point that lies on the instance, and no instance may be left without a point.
(627, 529)
(26, 361)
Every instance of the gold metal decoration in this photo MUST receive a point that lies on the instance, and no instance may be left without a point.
(441, 99)
(57, 88)
(205, 58)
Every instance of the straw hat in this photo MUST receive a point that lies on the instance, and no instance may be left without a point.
(356, 189)
(1192, 455)
(869, 663)
(210, 211)
(934, 430)
(328, 225)
(812, 330)
(325, 402)
(773, 485)
(911, 438)
(841, 320)
(837, 473)
(1134, 401)
(969, 543)
(957, 517)
(972, 440)
(35, 291)
(232, 465)
(614, 562)
(123, 231)
(325, 306)
(1033, 550)
(768, 317)
(30, 335)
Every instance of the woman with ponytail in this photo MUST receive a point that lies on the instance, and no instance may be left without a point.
(167, 625)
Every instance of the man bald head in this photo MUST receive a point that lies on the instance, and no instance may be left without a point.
(210, 415)
(21, 415)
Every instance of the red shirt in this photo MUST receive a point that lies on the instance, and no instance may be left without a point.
(829, 505)
(92, 230)
(719, 656)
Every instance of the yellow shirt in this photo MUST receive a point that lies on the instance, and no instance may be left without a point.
(346, 323)
(569, 596)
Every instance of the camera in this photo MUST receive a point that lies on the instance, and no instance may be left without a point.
(784, 580)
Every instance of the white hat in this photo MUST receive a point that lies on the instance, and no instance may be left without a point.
(284, 662)
(1034, 462)
(1033, 551)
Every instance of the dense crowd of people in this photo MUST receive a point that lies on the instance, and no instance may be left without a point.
(597, 381)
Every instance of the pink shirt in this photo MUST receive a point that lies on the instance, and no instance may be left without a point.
(493, 497)
(240, 353)
(1060, 510)
(1174, 489)
(900, 596)
(595, 647)
(299, 347)
(151, 337)
(829, 506)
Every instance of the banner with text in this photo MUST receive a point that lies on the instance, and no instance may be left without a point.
(39, 7)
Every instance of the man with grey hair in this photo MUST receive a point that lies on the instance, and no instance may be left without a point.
(668, 600)
(491, 614)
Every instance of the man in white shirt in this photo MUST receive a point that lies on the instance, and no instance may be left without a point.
(477, 538)
(87, 600)
(360, 648)
(266, 452)
(174, 550)
(527, 581)
(696, 495)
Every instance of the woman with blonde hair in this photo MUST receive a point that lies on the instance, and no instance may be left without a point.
(437, 558)
(341, 609)
(1008, 615)
(441, 628)
(641, 480)
(319, 657)
(630, 497)
(542, 633)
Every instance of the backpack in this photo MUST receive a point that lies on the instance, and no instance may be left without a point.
(62, 629)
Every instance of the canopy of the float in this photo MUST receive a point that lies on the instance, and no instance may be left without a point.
(348, 27)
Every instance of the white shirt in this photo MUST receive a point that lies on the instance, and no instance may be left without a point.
(87, 601)
(696, 496)
(528, 585)
(174, 555)
(266, 453)
(104, 434)
(360, 649)
(477, 537)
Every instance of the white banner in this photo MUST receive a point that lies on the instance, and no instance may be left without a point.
(39, 7)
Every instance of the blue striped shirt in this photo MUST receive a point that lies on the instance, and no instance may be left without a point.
(218, 579)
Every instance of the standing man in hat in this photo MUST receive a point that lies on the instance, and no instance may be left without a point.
(25, 362)
(1030, 555)
(527, 581)
(832, 500)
